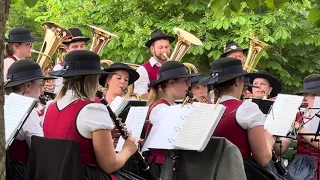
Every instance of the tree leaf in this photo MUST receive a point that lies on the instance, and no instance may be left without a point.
(252, 4)
(235, 5)
(314, 15)
(30, 3)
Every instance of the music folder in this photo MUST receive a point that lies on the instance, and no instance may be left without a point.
(189, 127)
(17, 109)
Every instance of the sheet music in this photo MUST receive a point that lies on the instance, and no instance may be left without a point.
(312, 125)
(283, 114)
(198, 127)
(166, 127)
(16, 110)
(134, 122)
(116, 103)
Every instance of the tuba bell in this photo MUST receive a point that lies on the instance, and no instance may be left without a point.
(55, 35)
(185, 40)
(100, 39)
(255, 52)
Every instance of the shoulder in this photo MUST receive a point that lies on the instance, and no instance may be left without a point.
(249, 115)
(93, 117)
(9, 60)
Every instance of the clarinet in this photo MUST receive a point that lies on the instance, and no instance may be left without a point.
(281, 169)
(124, 135)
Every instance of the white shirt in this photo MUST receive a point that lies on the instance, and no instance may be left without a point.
(141, 85)
(30, 127)
(58, 81)
(7, 62)
(248, 114)
(91, 117)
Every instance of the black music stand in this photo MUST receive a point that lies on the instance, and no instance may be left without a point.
(131, 103)
(264, 104)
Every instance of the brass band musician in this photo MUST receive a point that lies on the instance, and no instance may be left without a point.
(78, 42)
(159, 45)
(19, 46)
(89, 123)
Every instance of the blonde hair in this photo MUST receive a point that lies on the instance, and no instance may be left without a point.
(157, 92)
(83, 87)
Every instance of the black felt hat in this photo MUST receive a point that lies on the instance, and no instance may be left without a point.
(20, 34)
(157, 35)
(273, 81)
(80, 62)
(311, 84)
(76, 36)
(232, 46)
(133, 74)
(171, 70)
(196, 79)
(224, 69)
(23, 71)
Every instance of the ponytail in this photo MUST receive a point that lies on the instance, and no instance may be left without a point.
(156, 93)
(8, 50)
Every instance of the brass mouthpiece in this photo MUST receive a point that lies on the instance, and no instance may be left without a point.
(165, 55)
(38, 52)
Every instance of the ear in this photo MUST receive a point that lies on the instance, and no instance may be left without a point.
(270, 90)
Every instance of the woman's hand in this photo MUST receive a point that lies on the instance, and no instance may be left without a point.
(115, 133)
(131, 144)
(270, 139)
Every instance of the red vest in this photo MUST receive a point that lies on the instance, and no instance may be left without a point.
(304, 147)
(158, 154)
(61, 124)
(229, 128)
(19, 151)
(152, 71)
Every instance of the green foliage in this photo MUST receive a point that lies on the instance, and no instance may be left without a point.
(30, 3)
(295, 42)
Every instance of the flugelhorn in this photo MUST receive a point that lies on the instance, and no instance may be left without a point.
(55, 35)
(185, 40)
(254, 54)
(100, 39)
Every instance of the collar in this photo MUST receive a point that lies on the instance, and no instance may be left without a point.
(16, 57)
(153, 62)
(226, 98)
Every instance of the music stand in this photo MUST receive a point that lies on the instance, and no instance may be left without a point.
(264, 104)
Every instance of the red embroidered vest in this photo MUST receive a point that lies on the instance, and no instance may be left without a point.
(61, 124)
(157, 154)
(304, 147)
(231, 130)
(152, 71)
(19, 151)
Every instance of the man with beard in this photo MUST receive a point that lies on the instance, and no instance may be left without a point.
(159, 45)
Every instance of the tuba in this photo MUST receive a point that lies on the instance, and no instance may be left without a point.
(100, 39)
(185, 40)
(255, 52)
(191, 68)
(55, 35)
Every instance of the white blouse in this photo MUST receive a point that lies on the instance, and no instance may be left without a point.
(92, 117)
(248, 114)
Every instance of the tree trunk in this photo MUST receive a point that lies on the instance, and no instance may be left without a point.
(4, 13)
